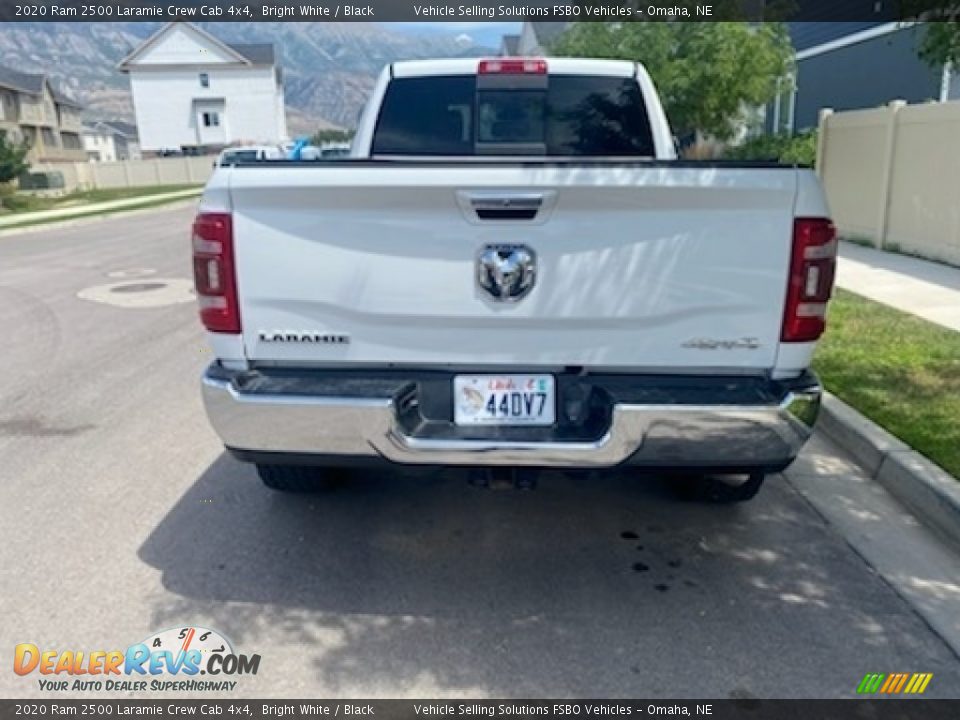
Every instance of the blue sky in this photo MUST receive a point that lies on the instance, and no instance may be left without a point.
(484, 33)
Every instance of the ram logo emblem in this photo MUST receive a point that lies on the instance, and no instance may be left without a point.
(506, 273)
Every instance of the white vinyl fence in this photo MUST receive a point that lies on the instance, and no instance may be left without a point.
(131, 173)
(892, 176)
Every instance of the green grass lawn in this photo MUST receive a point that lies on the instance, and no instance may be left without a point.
(900, 371)
(145, 205)
(22, 202)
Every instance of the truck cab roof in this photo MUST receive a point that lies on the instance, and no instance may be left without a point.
(555, 65)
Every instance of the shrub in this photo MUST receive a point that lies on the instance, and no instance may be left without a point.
(42, 181)
(13, 160)
(799, 149)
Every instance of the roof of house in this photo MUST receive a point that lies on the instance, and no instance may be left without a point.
(511, 43)
(252, 53)
(32, 84)
(547, 31)
(61, 98)
(124, 128)
(24, 82)
(257, 53)
(806, 35)
(112, 127)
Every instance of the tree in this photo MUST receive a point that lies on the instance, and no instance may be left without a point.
(13, 162)
(941, 43)
(709, 74)
(941, 38)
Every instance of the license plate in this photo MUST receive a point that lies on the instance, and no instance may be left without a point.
(504, 400)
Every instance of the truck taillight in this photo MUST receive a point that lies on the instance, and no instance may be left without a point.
(513, 66)
(812, 267)
(214, 272)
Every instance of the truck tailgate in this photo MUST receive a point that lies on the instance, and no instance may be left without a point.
(654, 267)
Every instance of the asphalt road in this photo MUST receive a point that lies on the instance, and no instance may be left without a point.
(121, 516)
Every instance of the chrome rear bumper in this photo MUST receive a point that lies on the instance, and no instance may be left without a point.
(255, 415)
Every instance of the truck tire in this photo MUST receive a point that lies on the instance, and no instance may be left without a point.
(293, 478)
(719, 491)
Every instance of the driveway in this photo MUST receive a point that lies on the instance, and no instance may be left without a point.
(122, 516)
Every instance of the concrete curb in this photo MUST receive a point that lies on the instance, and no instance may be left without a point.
(99, 217)
(928, 491)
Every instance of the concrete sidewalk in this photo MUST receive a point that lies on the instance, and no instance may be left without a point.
(926, 289)
(93, 208)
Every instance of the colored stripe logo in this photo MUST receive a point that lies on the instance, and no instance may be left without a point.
(894, 683)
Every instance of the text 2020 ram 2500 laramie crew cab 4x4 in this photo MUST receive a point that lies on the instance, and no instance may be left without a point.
(513, 270)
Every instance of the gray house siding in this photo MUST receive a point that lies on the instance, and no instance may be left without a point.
(866, 74)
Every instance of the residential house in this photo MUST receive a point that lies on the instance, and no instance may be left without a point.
(852, 65)
(130, 137)
(861, 57)
(111, 141)
(195, 93)
(535, 37)
(68, 113)
(32, 108)
(510, 46)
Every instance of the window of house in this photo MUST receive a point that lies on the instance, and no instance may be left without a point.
(784, 106)
(204, 80)
(211, 119)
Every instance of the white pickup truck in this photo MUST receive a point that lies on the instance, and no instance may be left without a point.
(513, 271)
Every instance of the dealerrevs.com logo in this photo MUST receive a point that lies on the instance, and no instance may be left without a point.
(179, 659)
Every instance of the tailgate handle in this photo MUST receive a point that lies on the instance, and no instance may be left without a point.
(507, 207)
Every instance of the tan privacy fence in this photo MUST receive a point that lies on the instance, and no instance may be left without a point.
(892, 176)
(131, 173)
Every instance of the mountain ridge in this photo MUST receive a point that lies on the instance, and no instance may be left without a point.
(329, 68)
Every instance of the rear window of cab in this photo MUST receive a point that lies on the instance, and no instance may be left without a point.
(571, 115)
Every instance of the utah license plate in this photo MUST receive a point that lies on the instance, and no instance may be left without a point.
(504, 400)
